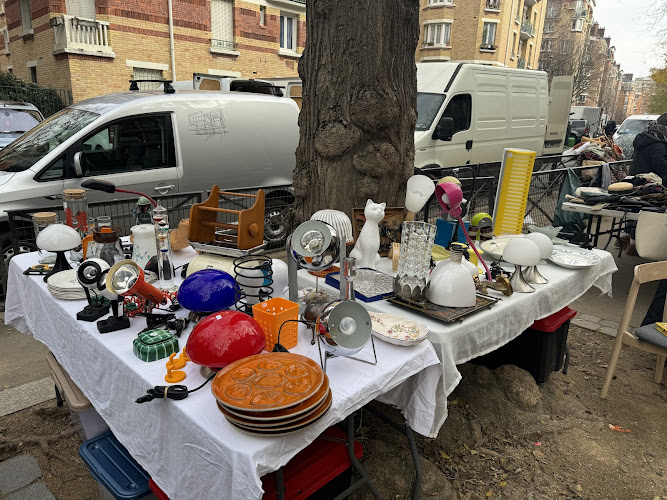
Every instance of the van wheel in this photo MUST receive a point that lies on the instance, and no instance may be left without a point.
(8, 251)
(275, 226)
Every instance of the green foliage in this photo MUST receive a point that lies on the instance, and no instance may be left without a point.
(47, 100)
(658, 104)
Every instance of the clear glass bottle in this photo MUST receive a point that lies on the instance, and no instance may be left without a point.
(164, 259)
(40, 220)
(75, 205)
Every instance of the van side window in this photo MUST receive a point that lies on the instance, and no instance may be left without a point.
(54, 171)
(460, 110)
(132, 144)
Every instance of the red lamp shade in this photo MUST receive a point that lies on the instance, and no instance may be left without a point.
(223, 337)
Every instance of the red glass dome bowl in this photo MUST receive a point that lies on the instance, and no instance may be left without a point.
(224, 337)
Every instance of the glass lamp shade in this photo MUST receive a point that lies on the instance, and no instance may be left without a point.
(543, 242)
(58, 238)
(338, 220)
(419, 190)
(522, 252)
(280, 277)
(451, 285)
(224, 337)
(207, 290)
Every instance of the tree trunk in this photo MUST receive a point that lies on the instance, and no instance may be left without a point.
(359, 104)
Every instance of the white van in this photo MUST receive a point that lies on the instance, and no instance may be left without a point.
(154, 142)
(469, 113)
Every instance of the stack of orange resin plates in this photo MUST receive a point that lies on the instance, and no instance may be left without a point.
(272, 394)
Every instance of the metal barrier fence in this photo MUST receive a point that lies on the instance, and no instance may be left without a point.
(48, 101)
(546, 182)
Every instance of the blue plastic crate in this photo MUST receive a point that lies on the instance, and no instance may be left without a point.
(113, 467)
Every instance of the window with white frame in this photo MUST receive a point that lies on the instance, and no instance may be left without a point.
(84, 9)
(489, 35)
(222, 24)
(547, 45)
(26, 20)
(440, 2)
(549, 26)
(147, 74)
(552, 10)
(5, 36)
(262, 15)
(438, 34)
(578, 25)
(288, 27)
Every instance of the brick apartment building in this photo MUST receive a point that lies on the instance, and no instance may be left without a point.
(495, 32)
(94, 47)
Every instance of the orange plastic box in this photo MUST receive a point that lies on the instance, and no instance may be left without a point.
(273, 313)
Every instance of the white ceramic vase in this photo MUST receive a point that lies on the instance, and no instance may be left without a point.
(144, 244)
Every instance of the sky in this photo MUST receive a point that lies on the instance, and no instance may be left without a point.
(629, 29)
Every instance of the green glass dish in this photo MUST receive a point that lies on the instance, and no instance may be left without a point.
(155, 344)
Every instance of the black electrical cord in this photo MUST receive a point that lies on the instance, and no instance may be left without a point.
(278, 347)
(175, 392)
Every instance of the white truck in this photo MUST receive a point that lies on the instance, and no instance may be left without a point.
(594, 117)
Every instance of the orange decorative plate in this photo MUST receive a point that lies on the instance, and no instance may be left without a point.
(282, 415)
(284, 430)
(246, 422)
(267, 382)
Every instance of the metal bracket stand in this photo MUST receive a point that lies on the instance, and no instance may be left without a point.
(406, 430)
(327, 355)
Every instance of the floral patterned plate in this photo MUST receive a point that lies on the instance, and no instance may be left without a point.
(397, 330)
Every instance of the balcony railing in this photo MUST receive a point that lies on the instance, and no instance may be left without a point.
(522, 63)
(493, 4)
(223, 44)
(518, 18)
(487, 47)
(527, 28)
(77, 35)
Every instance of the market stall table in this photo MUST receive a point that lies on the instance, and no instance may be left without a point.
(188, 447)
(619, 217)
(487, 330)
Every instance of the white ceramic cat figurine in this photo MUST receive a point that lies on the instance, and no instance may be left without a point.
(367, 245)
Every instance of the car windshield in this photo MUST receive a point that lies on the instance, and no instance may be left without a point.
(634, 126)
(23, 153)
(17, 120)
(428, 106)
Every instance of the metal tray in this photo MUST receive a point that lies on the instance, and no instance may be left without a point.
(218, 248)
(445, 314)
(369, 285)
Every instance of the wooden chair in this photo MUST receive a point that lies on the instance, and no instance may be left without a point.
(644, 273)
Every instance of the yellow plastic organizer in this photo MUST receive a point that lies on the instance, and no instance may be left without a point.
(273, 313)
(512, 194)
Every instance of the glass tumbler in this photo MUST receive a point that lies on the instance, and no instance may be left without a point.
(414, 262)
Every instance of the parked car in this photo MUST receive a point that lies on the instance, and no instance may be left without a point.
(578, 128)
(469, 113)
(16, 117)
(631, 126)
(157, 143)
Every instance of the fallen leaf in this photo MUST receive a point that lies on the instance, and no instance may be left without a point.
(502, 484)
(537, 443)
(466, 447)
(445, 456)
(618, 428)
(489, 493)
(578, 487)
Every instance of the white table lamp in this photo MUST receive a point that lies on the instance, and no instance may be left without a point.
(532, 274)
(521, 252)
(419, 190)
(58, 238)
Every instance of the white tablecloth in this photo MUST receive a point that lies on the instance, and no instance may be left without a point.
(187, 446)
(486, 331)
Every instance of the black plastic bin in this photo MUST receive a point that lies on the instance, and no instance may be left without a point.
(539, 350)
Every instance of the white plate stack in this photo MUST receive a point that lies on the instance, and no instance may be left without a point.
(65, 286)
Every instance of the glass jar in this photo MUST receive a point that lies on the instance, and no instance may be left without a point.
(75, 205)
(106, 245)
(414, 262)
(40, 220)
